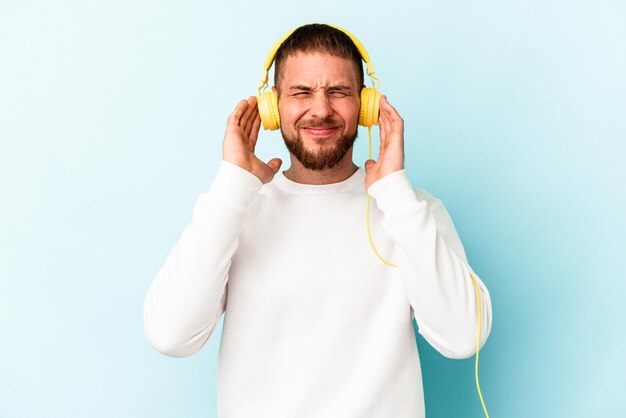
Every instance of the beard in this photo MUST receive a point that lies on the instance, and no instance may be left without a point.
(318, 160)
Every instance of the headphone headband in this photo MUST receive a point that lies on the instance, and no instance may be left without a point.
(269, 60)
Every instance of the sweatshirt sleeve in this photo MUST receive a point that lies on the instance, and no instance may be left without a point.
(188, 295)
(433, 267)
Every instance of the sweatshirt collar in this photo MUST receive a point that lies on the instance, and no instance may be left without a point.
(289, 186)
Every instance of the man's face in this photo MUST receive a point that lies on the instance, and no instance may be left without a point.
(319, 99)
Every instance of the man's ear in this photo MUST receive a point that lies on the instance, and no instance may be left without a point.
(275, 90)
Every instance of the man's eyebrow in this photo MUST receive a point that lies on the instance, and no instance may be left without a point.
(301, 88)
(337, 87)
(340, 87)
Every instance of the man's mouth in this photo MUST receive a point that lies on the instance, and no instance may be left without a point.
(320, 131)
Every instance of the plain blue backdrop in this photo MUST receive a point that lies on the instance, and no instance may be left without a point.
(111, 120)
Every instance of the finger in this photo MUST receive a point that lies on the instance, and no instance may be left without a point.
(385, 109)
(388, 110)
(236, 114)
(246, 118)
(383, 123)
(383, 118)
(393, 121)
(385, 105)
(253, 134)
(383, 100)
(275, 164)
(250, 119)
(369, 164)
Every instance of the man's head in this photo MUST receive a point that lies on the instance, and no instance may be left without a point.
(318, 79)
(318, 38)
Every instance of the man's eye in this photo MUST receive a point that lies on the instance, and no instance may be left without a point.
(338, 93)
(301, 94)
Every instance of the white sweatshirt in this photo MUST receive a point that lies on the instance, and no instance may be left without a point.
(315, 324)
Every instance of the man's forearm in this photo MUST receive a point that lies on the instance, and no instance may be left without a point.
(187, 296)
(434, 268)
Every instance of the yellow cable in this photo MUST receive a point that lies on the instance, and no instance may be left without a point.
(479, 305)
(478, 298)
(367, 212)
(369, 235)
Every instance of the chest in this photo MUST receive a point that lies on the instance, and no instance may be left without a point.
(309, 252)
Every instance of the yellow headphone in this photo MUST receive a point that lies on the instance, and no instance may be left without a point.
(268, 101)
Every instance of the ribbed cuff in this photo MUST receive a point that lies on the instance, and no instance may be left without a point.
(393, 191)
(235, 185)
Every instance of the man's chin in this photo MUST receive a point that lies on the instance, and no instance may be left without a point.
(319, 152)
(320, 145)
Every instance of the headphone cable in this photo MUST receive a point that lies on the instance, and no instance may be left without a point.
(478, 297)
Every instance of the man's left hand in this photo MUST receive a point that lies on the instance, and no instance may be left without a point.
(391, 154)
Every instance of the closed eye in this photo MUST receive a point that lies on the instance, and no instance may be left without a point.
(339, 93)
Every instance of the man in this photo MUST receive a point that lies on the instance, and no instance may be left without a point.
(316, 325)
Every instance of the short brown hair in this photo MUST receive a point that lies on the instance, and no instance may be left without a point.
(318, 37)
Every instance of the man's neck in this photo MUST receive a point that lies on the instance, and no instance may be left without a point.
(340, 172)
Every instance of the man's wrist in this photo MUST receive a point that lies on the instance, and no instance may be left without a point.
(235, 184)
(392, 191)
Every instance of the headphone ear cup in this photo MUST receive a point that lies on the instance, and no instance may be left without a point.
(268, 110)
(370, 104)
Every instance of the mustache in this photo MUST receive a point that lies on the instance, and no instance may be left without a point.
(319, 123)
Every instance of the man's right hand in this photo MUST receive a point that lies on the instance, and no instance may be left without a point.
(240, 139)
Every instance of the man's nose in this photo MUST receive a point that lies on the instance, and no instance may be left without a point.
(321, 106)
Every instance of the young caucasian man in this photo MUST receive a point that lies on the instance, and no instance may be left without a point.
(315, 324)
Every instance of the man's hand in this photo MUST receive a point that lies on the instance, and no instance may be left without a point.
(391, 154)
(240, 139)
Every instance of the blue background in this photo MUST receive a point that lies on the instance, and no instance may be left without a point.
(111, 120)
